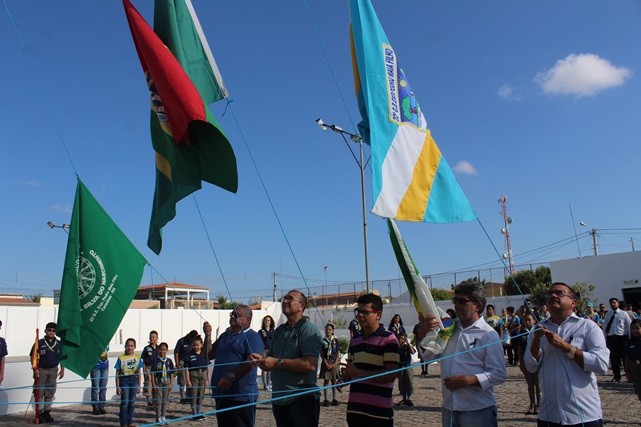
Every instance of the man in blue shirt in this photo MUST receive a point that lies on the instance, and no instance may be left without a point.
(234, 382)
(47, 369)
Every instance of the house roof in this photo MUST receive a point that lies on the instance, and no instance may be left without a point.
(18, 302)
(172, 286)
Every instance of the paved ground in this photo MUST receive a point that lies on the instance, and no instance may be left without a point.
(620, 407)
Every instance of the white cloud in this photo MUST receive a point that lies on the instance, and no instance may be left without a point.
(59, 208)
(585, 74)
(507, 92)
(464, 168)
(31, 183)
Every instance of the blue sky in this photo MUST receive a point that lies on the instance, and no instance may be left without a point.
(536, 100)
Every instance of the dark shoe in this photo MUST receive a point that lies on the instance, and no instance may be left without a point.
(402, 402)
(326, 404)
(536, 410)
(41, 418)
(408, 402)
(530, 410)
(334, 402)
(150, 406)
(102, 410)
(47, 416)
(95, 410)
(616, 379)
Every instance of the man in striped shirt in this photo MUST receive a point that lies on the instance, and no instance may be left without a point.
(373, 356)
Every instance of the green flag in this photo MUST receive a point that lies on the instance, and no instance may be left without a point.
(101, 276)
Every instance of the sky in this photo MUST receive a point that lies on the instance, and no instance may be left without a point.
(535, 100)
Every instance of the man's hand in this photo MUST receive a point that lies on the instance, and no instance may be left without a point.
(349, 371)
(426, 324)
(36, 373)
(556, 341)
(118, 391)
(459, 381)
(62, 373)
(225, 382)
(207, 328)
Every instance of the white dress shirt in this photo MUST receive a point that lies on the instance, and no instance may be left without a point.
(570, 394)
(620, 324)
(477, 351)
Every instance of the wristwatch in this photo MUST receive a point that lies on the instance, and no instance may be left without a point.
(571, 353)
(280, 361)
(231, 376)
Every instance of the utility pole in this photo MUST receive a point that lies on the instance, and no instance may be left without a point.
(632, 241)
(274, 287)
(507, 220)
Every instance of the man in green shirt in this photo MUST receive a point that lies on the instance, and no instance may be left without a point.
(293, 359)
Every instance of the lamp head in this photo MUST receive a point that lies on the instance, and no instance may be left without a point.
(321, 124)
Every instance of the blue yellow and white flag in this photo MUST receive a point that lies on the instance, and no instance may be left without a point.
(411, 181)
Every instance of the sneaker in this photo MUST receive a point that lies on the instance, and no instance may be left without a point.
(334, 402)
(47, 416)
(41, 417)
(102, 410)
(326, 404)
(96, 411)
(408, 402)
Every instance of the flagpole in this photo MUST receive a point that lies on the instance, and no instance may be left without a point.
(361, 165)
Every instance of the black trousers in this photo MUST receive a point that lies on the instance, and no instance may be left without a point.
(303, 412)
(616, 345)
(241, 417)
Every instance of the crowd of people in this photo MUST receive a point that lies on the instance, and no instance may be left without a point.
(558, 349)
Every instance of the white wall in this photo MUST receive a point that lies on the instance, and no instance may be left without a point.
(611, 274)
(19, 325)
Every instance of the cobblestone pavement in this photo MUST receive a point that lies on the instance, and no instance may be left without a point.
(620, 407)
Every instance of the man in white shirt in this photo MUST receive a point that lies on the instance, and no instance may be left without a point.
(616, 327)
(567, 351)
(468, 377)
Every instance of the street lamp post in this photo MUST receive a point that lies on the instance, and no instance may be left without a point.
(361, 165)
(593, 234)
(63, 226)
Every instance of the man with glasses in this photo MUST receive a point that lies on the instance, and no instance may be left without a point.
(46, 369)
(293, 358)
(473, 361)
(374, 352)
(567, 351)
(616, 327)
(233, 381)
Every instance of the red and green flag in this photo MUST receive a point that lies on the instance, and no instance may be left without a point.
(190, 145)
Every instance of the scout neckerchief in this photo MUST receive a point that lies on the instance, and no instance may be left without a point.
(327, 341)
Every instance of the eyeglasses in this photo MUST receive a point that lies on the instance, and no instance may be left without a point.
(235, 314)
(460, 300)
(557, 293)
(291, 298)
(364, 313)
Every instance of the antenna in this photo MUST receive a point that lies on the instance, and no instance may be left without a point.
(505, 231)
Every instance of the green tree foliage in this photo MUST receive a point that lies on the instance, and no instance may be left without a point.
(584, 290)
(441, 294)
(528, 280)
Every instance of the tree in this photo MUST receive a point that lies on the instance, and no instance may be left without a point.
(34, 298)
(584, 290)
(528, 280)
(441, 294)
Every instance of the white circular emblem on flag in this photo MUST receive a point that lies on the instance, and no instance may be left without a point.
(86, 276)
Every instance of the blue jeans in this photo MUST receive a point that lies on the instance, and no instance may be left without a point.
(486, 417)
(129, 388)
(99, 387)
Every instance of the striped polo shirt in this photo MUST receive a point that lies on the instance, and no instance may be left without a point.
(369, 398)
